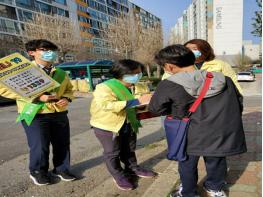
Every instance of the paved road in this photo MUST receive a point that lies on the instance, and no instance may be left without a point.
(253, 88)
(13, 141)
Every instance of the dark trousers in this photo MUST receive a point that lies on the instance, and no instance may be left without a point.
(118, 148)
(216, 169)
(48, 129)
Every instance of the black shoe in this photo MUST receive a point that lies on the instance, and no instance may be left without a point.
(40, 178)
(65, 175)
(129, 172)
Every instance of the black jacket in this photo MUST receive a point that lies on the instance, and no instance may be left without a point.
(216, 127)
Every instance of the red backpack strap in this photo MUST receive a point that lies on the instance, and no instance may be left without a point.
(197, 102)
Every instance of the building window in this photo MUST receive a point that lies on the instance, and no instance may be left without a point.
(101, 1)
(124, 9)
(114, 5)
(42, 7)
(83, 19)
(82, 8)
(109, 2)
(9, 26)
(7, 12)
(125, 2)
(97, 6)
(61, 12)
(25, 4)
(63, 2)
(25, 15)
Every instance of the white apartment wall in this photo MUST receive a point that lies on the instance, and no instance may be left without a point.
(227, 26)
(252, 51)
(203, 19)
(180, 30)
(197, 19)
(172, 36)
(190, 17)
(185, 26)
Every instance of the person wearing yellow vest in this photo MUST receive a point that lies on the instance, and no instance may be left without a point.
(48, 124)
(205, 60)
(114, 121)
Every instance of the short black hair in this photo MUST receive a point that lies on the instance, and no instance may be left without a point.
(124, 67)
(32, 45)
(177, 54)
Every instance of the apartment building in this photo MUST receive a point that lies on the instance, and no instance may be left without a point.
(14, 13)
(220, 22)
(93, 17)
(96, 15)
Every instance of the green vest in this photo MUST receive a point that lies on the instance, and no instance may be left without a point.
(123, 94)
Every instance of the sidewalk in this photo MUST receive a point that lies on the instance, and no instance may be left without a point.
(244, 171)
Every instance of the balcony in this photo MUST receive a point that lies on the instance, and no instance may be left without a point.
(9, 2)
(9, 30)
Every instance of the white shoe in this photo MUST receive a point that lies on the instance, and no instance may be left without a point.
(178, 192)
(214, 193)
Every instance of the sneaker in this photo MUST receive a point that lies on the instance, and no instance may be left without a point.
(178, 192)
(65, 175)
(215, 193)
(123, 183)
(40, 178)
(140, 172)
(128, 172)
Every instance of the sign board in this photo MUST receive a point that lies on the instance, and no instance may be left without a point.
(22, 77)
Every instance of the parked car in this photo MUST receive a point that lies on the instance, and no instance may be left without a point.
(246, 76)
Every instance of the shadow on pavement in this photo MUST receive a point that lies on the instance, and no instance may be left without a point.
(157, 136)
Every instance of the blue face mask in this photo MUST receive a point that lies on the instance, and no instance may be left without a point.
(132, 78)
(49, 56)
(197, 53)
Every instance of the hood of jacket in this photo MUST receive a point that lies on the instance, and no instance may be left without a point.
(193, 82)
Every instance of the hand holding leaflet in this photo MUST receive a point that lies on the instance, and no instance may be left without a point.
(145, 99)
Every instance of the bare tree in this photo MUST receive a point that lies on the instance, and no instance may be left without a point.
(120, 34)
(58, 29)
(85, 53)
(242, 62)
(130, 38)
(149, 42)
(10, 44)
(257, 20)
